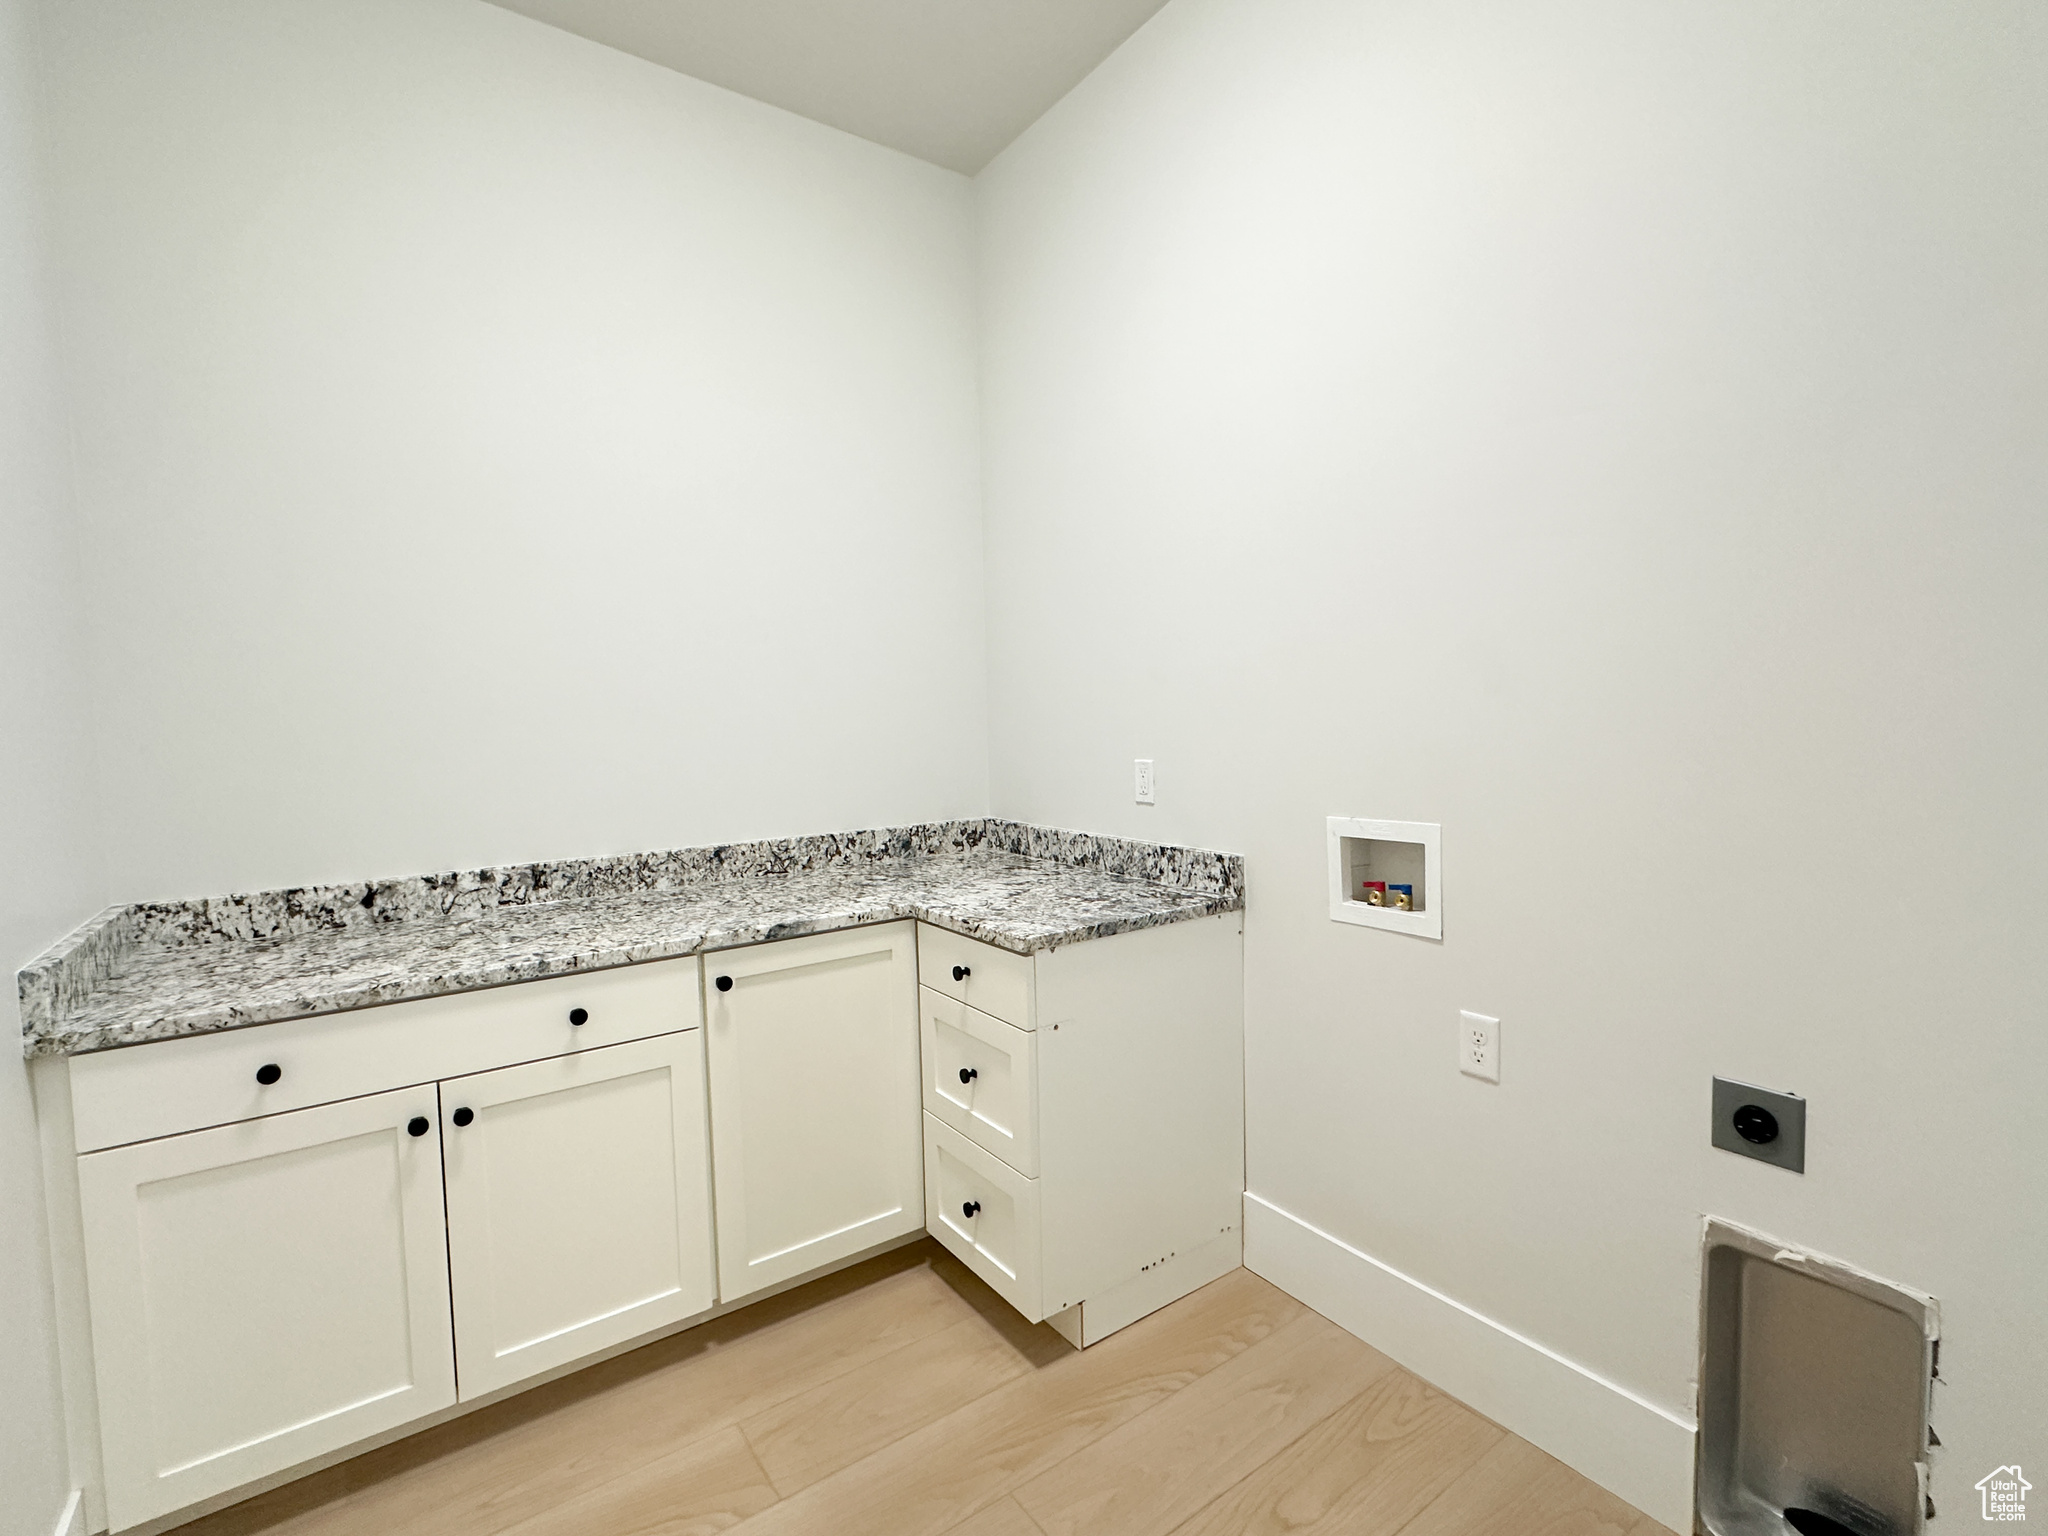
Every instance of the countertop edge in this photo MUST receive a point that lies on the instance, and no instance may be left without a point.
(540, 967)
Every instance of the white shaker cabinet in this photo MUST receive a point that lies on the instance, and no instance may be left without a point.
(263, 1293)
(1084, 1117)
(579, 1206)
(280, 1244)
(816, 1147)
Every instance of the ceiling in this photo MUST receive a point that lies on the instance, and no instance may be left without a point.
(950, 81)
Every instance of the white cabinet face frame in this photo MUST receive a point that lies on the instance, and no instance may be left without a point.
(1427, 836)
(981, 1078)
(169, 1086)
(264, 1293)
(579, 1206)
(815, 1147)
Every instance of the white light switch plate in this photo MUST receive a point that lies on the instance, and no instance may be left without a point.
(1143, 776)
(1479, 1046)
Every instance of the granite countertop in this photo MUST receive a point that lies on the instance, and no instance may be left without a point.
(159, 972)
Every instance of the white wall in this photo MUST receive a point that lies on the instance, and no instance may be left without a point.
(1611, 431)
(494, 447)
(50, 878)
(1615, 432)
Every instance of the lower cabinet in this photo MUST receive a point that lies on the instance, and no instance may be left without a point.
(342, 1259)
(287, 1285)
(1084, 1148)
(816, 1150)
(263, 1293)
(579, 1206)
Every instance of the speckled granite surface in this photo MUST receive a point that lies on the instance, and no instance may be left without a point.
(159, 970)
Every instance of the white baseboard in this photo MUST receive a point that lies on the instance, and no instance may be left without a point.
(72, 1521)
(1623, 1442)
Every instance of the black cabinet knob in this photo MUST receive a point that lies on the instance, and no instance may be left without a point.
(1754, 1123)
(962, 972)
(417, 1126)
(579, 1016)
(969, 1074)
(463, 1115)
(724, 983)
(269, 1073)
(971, 1209)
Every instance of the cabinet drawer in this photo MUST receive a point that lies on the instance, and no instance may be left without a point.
(985, 1212)
(979, 975)
(981, 1078)
(145, 1091)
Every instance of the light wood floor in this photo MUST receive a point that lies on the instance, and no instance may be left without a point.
(903, 1398)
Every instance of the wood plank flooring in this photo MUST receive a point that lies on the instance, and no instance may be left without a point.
(904, 1398)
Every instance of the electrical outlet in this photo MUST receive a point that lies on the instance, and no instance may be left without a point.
(1143, 766)
(1479, 1046)
(1760, 1123)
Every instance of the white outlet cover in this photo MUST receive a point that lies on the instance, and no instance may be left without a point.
(1479, 1046)
(1143, 782)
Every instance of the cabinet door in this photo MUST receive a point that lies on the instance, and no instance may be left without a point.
(815, 1138)
(579, 1206)
(264, 1293)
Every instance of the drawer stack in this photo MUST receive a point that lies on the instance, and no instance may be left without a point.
(981, 1110)
(1083, 1117)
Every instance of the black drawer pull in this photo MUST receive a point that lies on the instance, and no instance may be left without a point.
(417, 1126)
(962, 972)
(578, 1016)
(724, 983)
(463, 1115)
(971, 1209)
(269, 1073)
(969, 1074)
